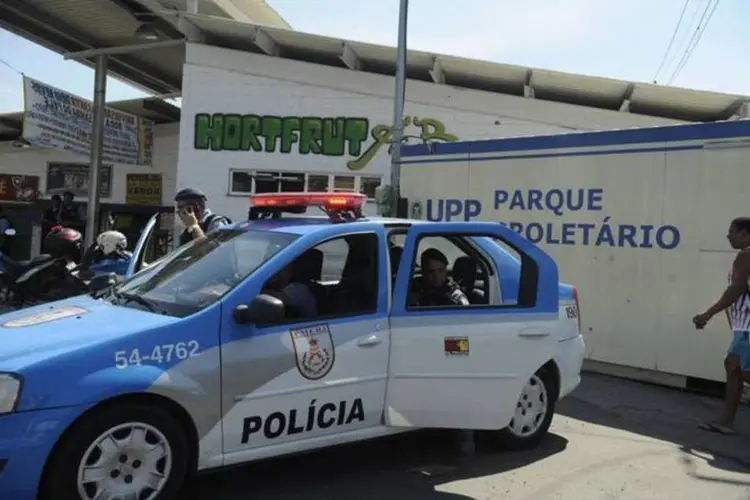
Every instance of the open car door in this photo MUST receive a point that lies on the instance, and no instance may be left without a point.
(137, 262)
(465, 366)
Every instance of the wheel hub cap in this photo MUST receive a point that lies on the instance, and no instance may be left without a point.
(531, 408)
(128, 462)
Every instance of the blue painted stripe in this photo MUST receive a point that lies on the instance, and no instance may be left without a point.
(555, 155)
(669, 133)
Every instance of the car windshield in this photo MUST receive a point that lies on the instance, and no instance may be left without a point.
(201, 272)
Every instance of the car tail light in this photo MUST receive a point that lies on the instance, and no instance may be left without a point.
(578, 308)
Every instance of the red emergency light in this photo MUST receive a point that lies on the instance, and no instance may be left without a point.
(326, 201)
(340, 207)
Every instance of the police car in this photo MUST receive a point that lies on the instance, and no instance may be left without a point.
(194, 362)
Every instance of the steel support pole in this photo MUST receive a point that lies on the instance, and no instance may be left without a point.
(122, 49)
(97, 142)
(398, 106)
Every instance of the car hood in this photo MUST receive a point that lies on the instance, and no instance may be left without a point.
(53, 329)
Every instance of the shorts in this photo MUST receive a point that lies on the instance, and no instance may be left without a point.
(740, 346)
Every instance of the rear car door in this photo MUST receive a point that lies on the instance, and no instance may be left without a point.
(465, 366)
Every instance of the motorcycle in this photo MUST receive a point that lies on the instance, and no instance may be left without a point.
(13, 270)
(107, 255)
(58, 275)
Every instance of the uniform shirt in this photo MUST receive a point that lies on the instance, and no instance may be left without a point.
(302, 299)
(448, 295)
(216, 223)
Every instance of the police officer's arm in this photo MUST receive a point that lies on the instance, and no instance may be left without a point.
(196, 232)
(456, 295)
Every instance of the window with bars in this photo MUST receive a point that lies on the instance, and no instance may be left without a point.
(247, 182)
(368, 185)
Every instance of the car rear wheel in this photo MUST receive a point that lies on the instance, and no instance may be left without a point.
(122, 451)
(533, 413)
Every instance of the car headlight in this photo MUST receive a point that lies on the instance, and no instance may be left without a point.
(10, 388)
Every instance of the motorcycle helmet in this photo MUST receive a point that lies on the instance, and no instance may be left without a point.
(63, 242)
(112, 242)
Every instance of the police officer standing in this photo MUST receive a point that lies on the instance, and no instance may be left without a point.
(195, 215)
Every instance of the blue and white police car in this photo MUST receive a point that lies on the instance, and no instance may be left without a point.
(199, 361)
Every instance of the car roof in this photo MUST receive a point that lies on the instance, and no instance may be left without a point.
(301, 225)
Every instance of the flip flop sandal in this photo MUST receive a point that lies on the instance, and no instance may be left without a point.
(720, 429)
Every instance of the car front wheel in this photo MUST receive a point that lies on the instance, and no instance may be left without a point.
(122, 451)
(533, 413)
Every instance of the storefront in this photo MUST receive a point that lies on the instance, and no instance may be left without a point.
(129, 194)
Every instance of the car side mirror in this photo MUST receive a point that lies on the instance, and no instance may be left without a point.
(262, 310)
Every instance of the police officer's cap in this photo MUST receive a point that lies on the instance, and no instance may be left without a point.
(190, 194)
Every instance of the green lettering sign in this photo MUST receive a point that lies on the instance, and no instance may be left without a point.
(307, 135)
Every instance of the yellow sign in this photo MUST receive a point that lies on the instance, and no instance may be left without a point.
(143, 189)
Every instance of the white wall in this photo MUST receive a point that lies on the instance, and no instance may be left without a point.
(33, 161)
(637, 303)
(218, 80)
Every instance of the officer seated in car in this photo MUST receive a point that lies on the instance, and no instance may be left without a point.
(436, 288)
(296, 293)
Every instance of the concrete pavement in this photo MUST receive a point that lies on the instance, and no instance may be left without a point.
(611, 439)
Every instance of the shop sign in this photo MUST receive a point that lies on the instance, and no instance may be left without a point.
(23, 188)
(351, 137)
(143, 189)
(53, 118)
(74, 177)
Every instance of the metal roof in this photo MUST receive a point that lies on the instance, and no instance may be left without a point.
(77, 25)
(66, 26)
(11, 124)
(605, 93)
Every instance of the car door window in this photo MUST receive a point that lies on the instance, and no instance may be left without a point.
(335, 252)
(448, 265)
(337, 278)
(488, 275)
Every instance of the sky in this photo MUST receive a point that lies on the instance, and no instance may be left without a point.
(610, 38)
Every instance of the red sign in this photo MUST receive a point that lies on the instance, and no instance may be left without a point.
(22, 188)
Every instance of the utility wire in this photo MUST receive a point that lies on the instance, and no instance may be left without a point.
(688, 29)
(10, 66)
(690, 45)
(695, 39)
(671, 40)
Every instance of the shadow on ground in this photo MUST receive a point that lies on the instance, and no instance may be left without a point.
(406, 466)
(665, 414)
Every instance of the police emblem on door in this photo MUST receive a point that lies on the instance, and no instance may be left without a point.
(314, 350)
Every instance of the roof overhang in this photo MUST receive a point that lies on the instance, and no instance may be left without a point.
(72, 26)
(531, 83)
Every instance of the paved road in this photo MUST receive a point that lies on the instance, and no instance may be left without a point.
(612, 440)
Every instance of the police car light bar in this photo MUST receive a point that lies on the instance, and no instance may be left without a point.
(327, 201)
